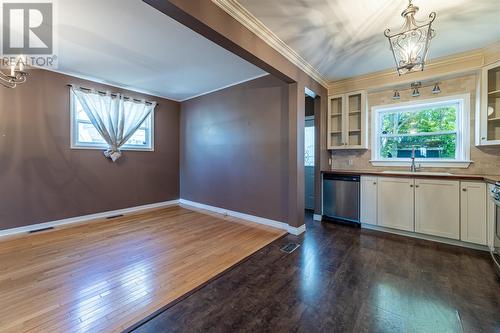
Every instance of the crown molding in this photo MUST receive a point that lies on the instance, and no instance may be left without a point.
(448, 66)
(249, 21)
(492, 53)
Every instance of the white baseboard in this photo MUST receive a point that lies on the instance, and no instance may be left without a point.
(426, 237)
(296, 231)
(317, 217)
(85, 218)
(97, 216)
(247, 217)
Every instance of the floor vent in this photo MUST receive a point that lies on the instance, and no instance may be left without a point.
(289, 248)
(114, 216)
(40, 230)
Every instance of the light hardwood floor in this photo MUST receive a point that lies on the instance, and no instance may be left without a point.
(105, 277)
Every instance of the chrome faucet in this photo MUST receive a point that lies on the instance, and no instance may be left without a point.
(413, 167)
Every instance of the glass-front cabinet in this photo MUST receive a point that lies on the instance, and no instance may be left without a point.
(347, 121)
(489, 125)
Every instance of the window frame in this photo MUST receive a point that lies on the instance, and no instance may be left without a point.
(76, 144)
(462, 154)
(310, 118)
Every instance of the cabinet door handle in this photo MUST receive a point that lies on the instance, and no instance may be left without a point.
(374, 183)
(464, 189)
(417, 185)
(411, 185)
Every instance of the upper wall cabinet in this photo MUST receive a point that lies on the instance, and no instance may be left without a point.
(489, 119)
(347, 121)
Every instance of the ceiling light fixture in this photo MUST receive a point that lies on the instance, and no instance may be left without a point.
(415, 86)
(17, 74)
(396, 95)
(409, 46)
(436, 89)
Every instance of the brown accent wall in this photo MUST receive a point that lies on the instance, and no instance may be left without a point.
(42, 179)
(234, 148)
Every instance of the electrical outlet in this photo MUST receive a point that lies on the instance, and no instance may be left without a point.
(350, 163)
(330, 161)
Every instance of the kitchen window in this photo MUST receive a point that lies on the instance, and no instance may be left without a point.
(85, 135)
(438, 130)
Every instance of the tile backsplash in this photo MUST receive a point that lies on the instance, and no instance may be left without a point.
(486, 159)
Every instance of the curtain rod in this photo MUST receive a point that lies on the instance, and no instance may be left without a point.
(113, 94)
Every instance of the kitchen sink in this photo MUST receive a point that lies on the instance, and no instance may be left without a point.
(422, 173)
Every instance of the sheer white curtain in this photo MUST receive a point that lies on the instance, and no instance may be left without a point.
(115, 118)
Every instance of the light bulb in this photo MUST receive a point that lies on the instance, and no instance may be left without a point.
(21, 63)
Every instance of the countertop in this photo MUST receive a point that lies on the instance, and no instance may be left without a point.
(455, 176)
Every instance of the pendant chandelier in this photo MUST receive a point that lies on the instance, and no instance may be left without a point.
(16, 76)
(410, 46)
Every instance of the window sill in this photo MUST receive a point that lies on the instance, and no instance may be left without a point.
(424, 164)
(102, 148)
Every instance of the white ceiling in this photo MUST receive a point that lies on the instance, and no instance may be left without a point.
(344, 38)
(127, 43)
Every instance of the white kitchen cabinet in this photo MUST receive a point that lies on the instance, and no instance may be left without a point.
(437, 207)
(347, 121)
(488, 117)
(369, 200)
(395, 206)
(491, 214)
(473, 213)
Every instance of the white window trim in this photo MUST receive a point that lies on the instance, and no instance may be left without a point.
(463, 133)
(96, 146)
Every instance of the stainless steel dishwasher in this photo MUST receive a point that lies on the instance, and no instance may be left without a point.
(341, 197)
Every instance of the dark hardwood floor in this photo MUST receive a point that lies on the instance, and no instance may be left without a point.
(343, 279)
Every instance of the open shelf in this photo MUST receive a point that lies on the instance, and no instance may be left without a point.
(489, 124)
(494, 93)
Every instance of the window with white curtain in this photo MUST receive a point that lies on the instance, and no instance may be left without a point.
(437, 129)
(85, 135)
